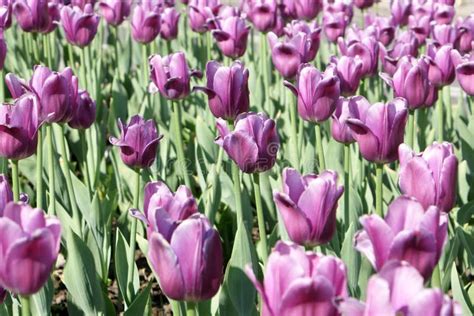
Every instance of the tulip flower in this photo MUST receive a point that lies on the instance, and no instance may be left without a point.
(6, 193)
(32, 15)
(398, 289)
(334, 25)
(465, 76)
(227, 89)
(189, 264)
(436, 168)
(263, 14)
(85, 113)
(6, 8)
(354, 107)
(19, 125)
(171, 75)
(465, 35)
(30, 248)
(367, 49)
(443, 34)
(441, 71)
(115, 11)
(340, 6)
(363, 4)
(253, 144)
(82, 3)
(300, 283)
(200, 11)
(421, 27)
(409, 233)
(138, 142)
(349, 71)
(443, 13)
(169, 24)
(317, 93)
(80, 26)
(231, 35)
(308, 206)
(380, 132)
(400, 11)
(146, 22)
(384, 29)
(306, 37)
(307, 9)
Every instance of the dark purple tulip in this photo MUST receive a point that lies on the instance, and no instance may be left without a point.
(354, 107)
(231, 35)
(465, 35)
(400, 11)
(6, 8)
(363, 4)
(80, 26)
(279, 27)
(253, 144)
(436, 168)
(398, 289)
(3, 295)
(171, 75)
(165, 210)
(367, 49)
(299, 282)
(443, 13)
(307, 9)
(115, 11)
(407, 45)
(82, 3)
(349, 71)
(317, 93)
(19, 125)
(146, 22)
(189, 265)
(465, 76)
(169, 24)
(409, 232)
(421, 27)
(288, 10)
(380, 132)
(227, 89)
(334, 25)
(85, 113)
(308, 206)
(32, 15)
(443, 34)
(441, 71)
(6, 193)
(200, 12)
(138, 142)
(29, 249)
(262, 14)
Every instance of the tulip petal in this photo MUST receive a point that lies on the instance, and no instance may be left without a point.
(242, 149)
(414, 172)
(296, 223)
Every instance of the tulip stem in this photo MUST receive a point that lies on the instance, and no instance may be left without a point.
(378, 190)
(85, 167)
(47, 49)
(260, 217)
(294, 134)
(237, 193)
(51, 171)
(25, 306)
(39, 170)
(447, 103)
(411, 128)
(209, 46)
(212, 203)
(347, 162)
(264, 68)
(133, 238)
(319, 147)
(16, 181)
(439, 113)
(179, 143)
(190, 309)
(82, 68)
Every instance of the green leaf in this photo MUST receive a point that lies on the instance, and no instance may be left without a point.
(459, 294)
(121, 268)
(41, 301)
(141, 305)
(351, 258)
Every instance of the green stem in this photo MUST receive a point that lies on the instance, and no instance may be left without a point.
(179, 143)
(411, 128)
(347, 162)
(39, 171)
(145, 77)
(35, 48)
(133, 238)
(212, 203)
(260, 217)
(294, 135)
(15, 180)
(237, 193)
(447, 103)
(439, 113)
(85, 167)
(264, 68)
(209, 46)
(25, 306)
(47, 50)
(378, 190)
(83, 69)
(2, 87)
(51, 171)
(319, 148)
(117, 50)
(190, 309)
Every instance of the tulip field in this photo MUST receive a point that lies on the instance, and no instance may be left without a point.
(254, 157)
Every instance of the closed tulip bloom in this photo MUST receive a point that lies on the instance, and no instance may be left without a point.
(398, 289)
(19, 125)
(300, 283)
(307, 9)
(401, 10)
(30, 248)
(354, 107)
(189, 264)
(367, 49)
(146, 22)
(443, 34)
(115, 11)
(231, 35)
(420, 27)
(138, 142)
(308, 206)
(381, 131)
(465, 76)
(436, 168)
(171, 75)
(349, 71)
(308, 41)
(6, 193)
(227, 89)
(31, 15)
(6, 9)
(85, 113)
(363, 4)
(169, 24)
(253, 144)
(263, 14)
(441, 71)
(80, 26)
(317, 93)
(409, 233)
(340, 6)
(443, 13)
(384, 29)
(200, 11)
(465, 35)
(334, 25)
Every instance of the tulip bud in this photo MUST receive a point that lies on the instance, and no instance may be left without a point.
(384, 29)
(443, 34)
(227, 89)
(367, 49)
(307, 221)
(305, 37)
(30, 248)
(441, 70)
(400, 11)
(80, 27)
(465, 35)
(285, 56)
(420, 27)
(169, 24)
(300, 283)
(436, 168)
(85, 113)
(31, 15)
(249, 152)
(6, 193)
(146, 23)
(409, 233)
(138, 142)
(263, 14)
(200, 12)
(443, 13)
(349, 71)
(380, 132)
(317, 93)
(465, 76)
(115, 11)
(231, 35)
(189, 264)
(354, 107)
(307, 9)
(334, 25)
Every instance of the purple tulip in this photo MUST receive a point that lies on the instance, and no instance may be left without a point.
(32, 15)
(146, 22)
(398, 290)
(82, 3)
(436, 168)
(308, 206)
(441, 71)
(231, 35)
(400, 11)
(189, 264)
(80, 26)
(85, 113)
(6, 9)
(253, 144)
(367, 49)
(6, 193)
(380, 132)
(334, 25)
(300, 283)
(200, 11)
(354, 107)
(409, 233)
(421, 27)
(306, 37)
(443, 34)
(422, 9)
(443, 13)
(307, 9)
(317, 93)
(138, 142)
(262, 14)
(171, 75)
(384, 31)
(29, 249)
(390, 58)
(115, 11)
(349, 72)
(169, 24)
(19, 125)
(363, 4)
(465, 76)
(227, 89)
(465, 35)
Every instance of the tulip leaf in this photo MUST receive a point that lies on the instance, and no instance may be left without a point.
(459, 294)
(351, 258)
(205, 138)
(121, 268)
(465, 213)
(41, 301)
(141, 305)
